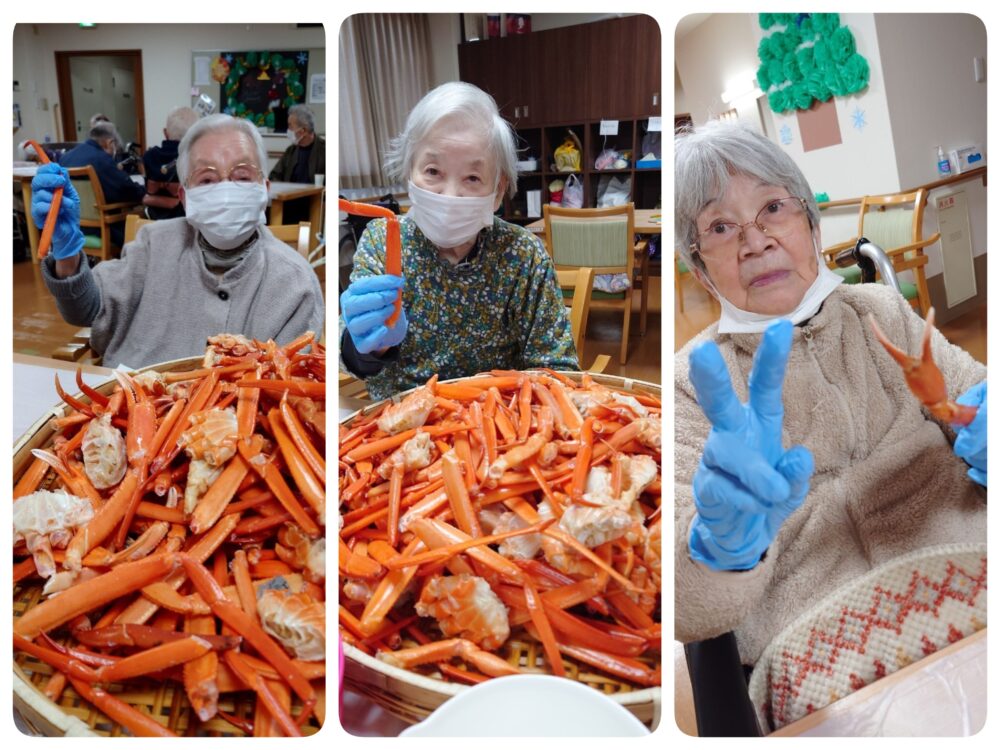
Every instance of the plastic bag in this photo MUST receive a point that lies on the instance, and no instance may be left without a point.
(573, 192)
(606, 159)
(567, 156)
(613, 190)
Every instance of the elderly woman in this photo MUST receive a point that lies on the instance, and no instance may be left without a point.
(218, 270)
(478, 293)
(832, 467)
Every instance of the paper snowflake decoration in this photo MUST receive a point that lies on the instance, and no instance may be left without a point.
(228, 57)
(859, 119)
(785, 134)
(302, 58)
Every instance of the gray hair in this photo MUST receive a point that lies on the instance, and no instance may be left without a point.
(704, 160)
(462, 100)
(218, 124)
(179, 121)
(304, 115)
(103, 130)
(99, 117)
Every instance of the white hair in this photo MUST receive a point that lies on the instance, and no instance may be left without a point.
(304, 115)
(218, 124)
(705, 158)
(104, 130)
(458, 100)
(179, 121)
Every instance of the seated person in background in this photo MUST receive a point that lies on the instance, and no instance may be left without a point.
(119, 153)
(160, 166)
(98, 152)
(216, 270)
(306, 157)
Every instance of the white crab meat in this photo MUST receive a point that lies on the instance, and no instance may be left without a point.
(103, 449)
(465, 607)
(409, 413)
(587, 401)
(227, 344)
(297, 621)
(210, 442)
(524, 547)
(44, 520)
(415, 453)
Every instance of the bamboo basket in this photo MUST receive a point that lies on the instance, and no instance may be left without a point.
(165, 702)
(412, 696)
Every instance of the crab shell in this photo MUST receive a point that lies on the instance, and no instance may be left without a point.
(103, 449)
(297, 621)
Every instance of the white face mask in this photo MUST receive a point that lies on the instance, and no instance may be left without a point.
(449, 221)
(735, 320)
(226, 214)
(290, 134)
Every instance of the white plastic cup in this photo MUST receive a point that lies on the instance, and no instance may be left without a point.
(320, 180)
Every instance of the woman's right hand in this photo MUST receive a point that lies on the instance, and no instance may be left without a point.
(366, 304)
(746, 484)
(67, 239)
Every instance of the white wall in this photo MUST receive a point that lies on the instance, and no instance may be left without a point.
(166, 60)
(934, 100)
(445, 32)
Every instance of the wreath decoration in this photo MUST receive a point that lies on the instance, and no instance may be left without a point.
(812, 59)
(284, 74)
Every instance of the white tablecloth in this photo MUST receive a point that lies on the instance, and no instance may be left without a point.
(35, 392)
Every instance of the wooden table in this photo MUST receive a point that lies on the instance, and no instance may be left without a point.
(280, 192)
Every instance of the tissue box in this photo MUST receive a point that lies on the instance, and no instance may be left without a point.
(965, 159)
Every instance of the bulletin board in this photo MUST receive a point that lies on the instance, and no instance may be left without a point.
(253, 83)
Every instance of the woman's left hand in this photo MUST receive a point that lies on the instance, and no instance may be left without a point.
(970, 445)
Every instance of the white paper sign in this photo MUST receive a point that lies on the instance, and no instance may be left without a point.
(609, 127)
(317, 88)
(654, 125)
(203, 71)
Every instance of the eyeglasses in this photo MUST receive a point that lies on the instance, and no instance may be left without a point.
(776, 219)
(241, 174)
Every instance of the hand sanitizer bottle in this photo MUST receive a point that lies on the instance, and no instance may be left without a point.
(943, 165)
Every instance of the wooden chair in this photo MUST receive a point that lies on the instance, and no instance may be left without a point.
(580, 282)
(133, 223)
(894, 223)
(295, 236)
(603, 239)
(96, 214)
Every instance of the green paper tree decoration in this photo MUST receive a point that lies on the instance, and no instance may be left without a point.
(811, 59)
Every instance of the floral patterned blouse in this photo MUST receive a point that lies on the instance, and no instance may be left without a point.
(501, 309)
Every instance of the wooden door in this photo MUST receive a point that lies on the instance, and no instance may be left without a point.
(565, 57)
(131, 60)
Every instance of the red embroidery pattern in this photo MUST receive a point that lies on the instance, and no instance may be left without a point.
(845, 646)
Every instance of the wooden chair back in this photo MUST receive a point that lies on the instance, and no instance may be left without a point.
(95, 213)
(133, 222)
(296, 236)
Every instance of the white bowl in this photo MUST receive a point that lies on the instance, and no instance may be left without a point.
(529, 706)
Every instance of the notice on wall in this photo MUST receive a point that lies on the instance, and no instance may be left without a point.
(655, 125)
(818, 126)
(609, 127)
(203, 71)
(317, 88)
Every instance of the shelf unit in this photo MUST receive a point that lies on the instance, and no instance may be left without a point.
(572, 78)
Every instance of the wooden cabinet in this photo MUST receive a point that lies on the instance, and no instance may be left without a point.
(574, 77)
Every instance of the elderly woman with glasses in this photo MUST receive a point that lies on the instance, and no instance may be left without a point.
(478, 293)
(802, 459)
(217, 270)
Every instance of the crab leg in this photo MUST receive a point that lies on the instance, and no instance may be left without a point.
(388, 591)
(309, 485)
(253, 679)
(436, 534)
(103, 522)
(238, 620)
(297, 432)
(279, 487)
(200, 675)
(488, 663)
(923, 377)
(458, 495)
(93, 593)
(214, 502)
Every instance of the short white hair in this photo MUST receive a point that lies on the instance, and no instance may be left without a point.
(104, 130)
(179, 121)
(458, 100)
(218, 124)
(304, 116)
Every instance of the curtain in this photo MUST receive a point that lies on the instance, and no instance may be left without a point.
(385, 69)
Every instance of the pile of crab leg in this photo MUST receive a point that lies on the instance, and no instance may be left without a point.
(175, 528)
(511, 506)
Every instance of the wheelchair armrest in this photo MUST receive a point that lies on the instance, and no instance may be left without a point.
(719, 687)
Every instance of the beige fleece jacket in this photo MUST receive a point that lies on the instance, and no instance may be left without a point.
(886, 479)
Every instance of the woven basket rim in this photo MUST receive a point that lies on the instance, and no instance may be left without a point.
(447, 690)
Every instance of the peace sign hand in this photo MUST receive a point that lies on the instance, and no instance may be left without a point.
(746, 484)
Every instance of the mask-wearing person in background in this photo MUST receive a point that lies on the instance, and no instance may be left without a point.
(216, 270)
(478, 293)
(831, 468)
(305, 158)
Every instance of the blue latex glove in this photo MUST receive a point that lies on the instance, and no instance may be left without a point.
(67, 239)
(746, 484)
(970, 445)
(365, 305)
